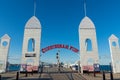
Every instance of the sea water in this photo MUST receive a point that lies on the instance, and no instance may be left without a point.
(14, 67)
(105, 68)
(17, 67)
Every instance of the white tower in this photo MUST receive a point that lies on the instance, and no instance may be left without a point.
(115, 53)
(88, 43)
(4, 50)
(32, 33)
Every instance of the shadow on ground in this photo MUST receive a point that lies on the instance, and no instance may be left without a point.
(38, 79)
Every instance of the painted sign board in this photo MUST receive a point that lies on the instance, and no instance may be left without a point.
(96, 67)
(30, 55)
(89, 68)
(29, 68)
(60, 46)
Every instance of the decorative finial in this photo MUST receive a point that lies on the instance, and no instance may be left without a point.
(85, 7)
(34, 7)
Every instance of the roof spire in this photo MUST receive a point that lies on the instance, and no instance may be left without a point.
(85, 7)
(34, 7)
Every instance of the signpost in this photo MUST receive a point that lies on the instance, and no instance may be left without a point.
(58, 61)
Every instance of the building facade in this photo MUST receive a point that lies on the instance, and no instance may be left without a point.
(88, 44)
(4, 50)
(115, 53)
(32, 38)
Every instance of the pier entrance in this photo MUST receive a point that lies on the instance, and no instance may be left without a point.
(61, 61)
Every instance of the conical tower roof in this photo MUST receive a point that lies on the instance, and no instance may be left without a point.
(5, 37)
(113, 37)
(86, 23)
(33, 23)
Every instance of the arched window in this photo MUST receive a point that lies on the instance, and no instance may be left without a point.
(31, 45)
(88, 45)
(5, 43)
(114, 44)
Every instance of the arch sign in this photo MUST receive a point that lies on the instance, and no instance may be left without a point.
(60, 46)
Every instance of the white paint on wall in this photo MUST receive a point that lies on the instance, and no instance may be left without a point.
(87, 31)
(32, 31)
(4, 50)
(115, 53)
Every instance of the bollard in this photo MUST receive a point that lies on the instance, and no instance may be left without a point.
(17, 76)
(103, 75)
(26, 73)
(0, 77)
(32, 72)
(111, 75)
(94, 74)
(88, 72)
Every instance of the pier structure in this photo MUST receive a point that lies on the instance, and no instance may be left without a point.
(88, 43)
(115, 53)
(4, 51)
(31, 43)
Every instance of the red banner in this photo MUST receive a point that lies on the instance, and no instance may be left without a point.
(88, 68)
(35, 68)
(60, 46)
(29, 69)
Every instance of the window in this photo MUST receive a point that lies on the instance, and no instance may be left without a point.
(88, 45)
(5, 43)
(31, 45)
(114, 44)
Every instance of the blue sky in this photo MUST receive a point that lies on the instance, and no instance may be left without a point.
(60, 21)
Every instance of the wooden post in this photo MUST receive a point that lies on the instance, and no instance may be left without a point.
(26, 73)
(111, 72)
(0, 77)
(111, 75)
(94, 74)
(17, 76)
(103, 75)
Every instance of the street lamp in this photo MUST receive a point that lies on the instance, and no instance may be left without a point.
(58, 60)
